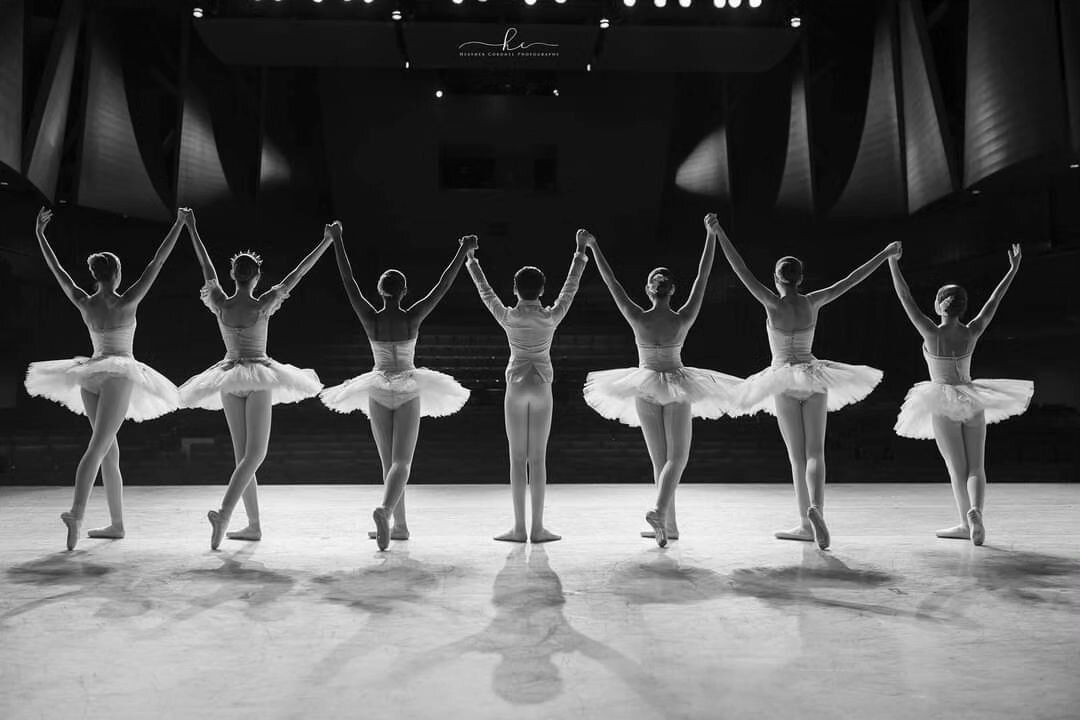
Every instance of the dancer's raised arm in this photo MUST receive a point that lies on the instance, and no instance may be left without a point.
(630, 309)
(487, 295)
(205, 263)
(690, 309)
(360, 304)
(822, 297)
(761, 293)
(573, 278)
(423, 307)
(978, 325)
(918, 318)
(293, 278)
(73, 292)
(138, 290)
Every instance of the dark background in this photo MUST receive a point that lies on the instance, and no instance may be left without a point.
(271, 119)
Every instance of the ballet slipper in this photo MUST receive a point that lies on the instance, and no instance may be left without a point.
(978, 532)
(114, 531)
(382, 527)
(817, 524)
(959, 532)
(650, 534)
(396, 533)
(517, 536)
(219, 523)
(544, 535)
(72, 524)
(800, 533)
(252, 533)
(657, 523)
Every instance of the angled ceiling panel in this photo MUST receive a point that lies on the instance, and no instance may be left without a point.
(12, 26)
(706, 170)
(46, 136)
(200, 177)
(875, 187)
(1013, 106)
(797, 183)
(927, 151)
(112, 174)
(1070, 47)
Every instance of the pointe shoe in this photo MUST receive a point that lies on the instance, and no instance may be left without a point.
(657, 524)
(382, 527)
(978, 531)
(218, 525)
(110, 532)
(72, 524)
(817, 524)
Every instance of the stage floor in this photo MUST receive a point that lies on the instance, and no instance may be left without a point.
(313, 622)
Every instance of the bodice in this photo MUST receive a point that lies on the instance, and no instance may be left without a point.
(113, 341)
(946, 370)
(247, 342)
(790, 346)
(662, 358)
(393, 356)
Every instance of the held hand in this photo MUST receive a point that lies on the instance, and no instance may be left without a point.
(894, 250)
(1014, 257)
(470, 243)
(712, 224)
(584, 239)
(332, 232)
(185, 216)
(43, 218)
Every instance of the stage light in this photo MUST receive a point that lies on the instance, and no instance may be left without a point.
(604, 23)
(719, 4)
(734, 3)
(530, 2)
(588, 67)
(560, 2)
(438, 93)
(795, 21)
(684, 3)
(1074, 166)
(755, 3)
(196, 12)
(3, 183)
(316, 1)
(976, 192)
(368, 2)
(629, 3)
(396, 15)
(555, 92)
(659, 3)
(458, 2)
(406, 64)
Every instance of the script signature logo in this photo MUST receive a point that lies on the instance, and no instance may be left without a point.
(508, 46)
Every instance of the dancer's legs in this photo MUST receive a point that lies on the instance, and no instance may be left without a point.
(406, 423)
(950, 442)
(236, 418)
(516, 415)
(110, 477)
(651, 417)
(814, 412)
(256, 411)
(974, 433)
(540, 410)
(789, 417)
(382, 429)
(112, 405)
(678, 432)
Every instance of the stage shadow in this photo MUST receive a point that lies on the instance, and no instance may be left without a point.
(529, 629)
(241, 578)
(662, 579)
(397, 580)
(1013, 575)
(90, 580)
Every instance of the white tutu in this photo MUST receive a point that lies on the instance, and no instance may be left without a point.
(62, 381)
(287, 383)
(999, 399)
(845, 384)
(439, 394)
(613, 393)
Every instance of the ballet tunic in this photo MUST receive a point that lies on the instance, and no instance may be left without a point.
(529, 326)
(62, 381)
(952, 393)
(246, 367)
(395, 381)
(662, 379)
(795, 372)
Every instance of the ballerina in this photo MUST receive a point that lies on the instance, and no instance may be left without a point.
(798, 388)
(247, 383)
(528, 404)
(111, 386)
(395, 394)
(952, 408)
(662, 396)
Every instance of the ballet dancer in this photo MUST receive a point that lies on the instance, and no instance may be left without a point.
(798, 388)
(661, 395)
(952, 408)
(110, 387)
(395, 394)
(527, 405)
(247, 383)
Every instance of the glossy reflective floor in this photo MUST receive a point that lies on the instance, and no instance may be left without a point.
(726, 623)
